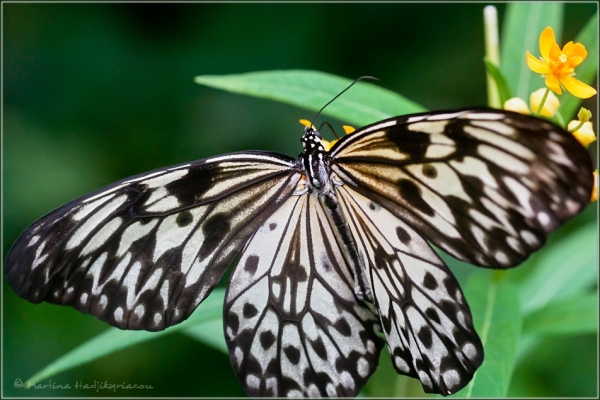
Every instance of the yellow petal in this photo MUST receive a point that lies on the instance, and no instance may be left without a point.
(306, 123)
(550, 105)
(555, 53)
(517, 104)
(576, 87)
(579, 51)
(568, 48)
(327, 144)
(552, 83)
(546, 41)
(348, 129)
(537, 65)
(584, 135)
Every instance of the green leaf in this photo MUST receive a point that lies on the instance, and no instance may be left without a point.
(209, 333)
(365, 103)
(564, 269)
(503, 89)
(571, 316)
(115, 339)
(524, 22)
(586, 71)
(494, 302)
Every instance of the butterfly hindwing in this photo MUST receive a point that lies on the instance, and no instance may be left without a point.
(143, 252)
(292, 322)
(486, 186)
(423, 312)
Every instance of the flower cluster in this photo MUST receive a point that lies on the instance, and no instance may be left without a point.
(557, 66)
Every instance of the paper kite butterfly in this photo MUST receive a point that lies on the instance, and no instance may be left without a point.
(331, 249)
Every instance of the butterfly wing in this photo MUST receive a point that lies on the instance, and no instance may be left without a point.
(292, 322)
(425, 317)
(143, 252)
(486, 186)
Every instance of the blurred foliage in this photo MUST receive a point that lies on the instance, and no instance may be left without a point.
(97, 92)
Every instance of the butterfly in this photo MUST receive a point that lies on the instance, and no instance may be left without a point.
(331, 249)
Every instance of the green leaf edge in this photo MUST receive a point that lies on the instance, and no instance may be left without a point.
(115, 339)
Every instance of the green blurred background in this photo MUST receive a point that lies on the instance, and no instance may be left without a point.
(94, 93)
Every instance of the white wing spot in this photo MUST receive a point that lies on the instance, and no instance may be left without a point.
(362, 367)
(139, 311)
(165, 179)
(33, 240)
(253, 381)
(428, 126)
(469, 350)
(83, 298)
(330, 389)
(238, 355)
(401, 364)
(347, 380)
(88, 208)
(118, 314)
(529, 238)
(166, 204)
(157, 318)
(451, 377)
(102, 236)
(371, 346)
(543, 218)
(88, 226)
(502, 258)
(103, 301)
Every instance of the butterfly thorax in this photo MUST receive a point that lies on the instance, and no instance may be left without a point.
(317, 171)
(313, 160)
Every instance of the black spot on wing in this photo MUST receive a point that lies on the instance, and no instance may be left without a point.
(429, 171)
(249, 311)
(432, 314)
(343, 327)
(429, 281)
(412, 193)
(251, 264)
(319, 348)
(184, 218)
(267, 338)
(292, 353)
(215, 229)
(403, 236)
(425, 336)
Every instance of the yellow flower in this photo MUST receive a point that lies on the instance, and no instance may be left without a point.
(517, 104)
(585, 134)
(550, 105)
(558, 66)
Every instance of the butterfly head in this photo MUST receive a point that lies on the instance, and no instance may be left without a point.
(312, 140)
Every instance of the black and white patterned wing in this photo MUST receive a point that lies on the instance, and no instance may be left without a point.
(292, 322)
(425, 317)
(487, 186)
(143, 252)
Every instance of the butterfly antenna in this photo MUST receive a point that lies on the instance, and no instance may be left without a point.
(342, 92)
(330, 127)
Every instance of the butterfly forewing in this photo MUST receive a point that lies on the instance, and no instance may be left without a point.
(292, 322)
(144, 252)
(486, 186)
